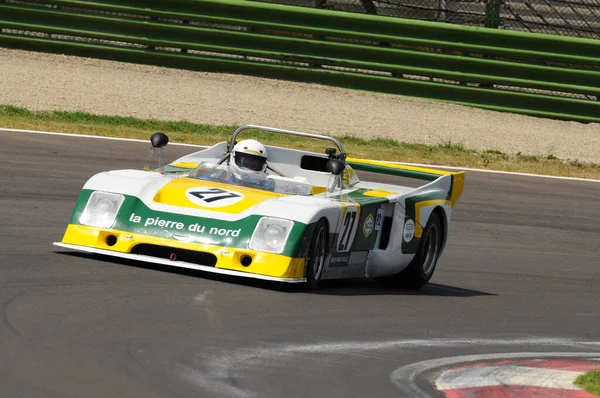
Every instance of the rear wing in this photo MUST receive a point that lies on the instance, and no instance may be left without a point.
(420, 173)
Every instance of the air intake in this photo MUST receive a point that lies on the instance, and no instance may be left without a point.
(188, 256)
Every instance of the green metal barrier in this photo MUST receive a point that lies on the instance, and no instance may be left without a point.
(478, 67)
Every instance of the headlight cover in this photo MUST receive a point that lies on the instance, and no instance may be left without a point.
(101, 209)
(270, 235)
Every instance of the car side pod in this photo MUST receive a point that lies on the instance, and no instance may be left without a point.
(159, 141)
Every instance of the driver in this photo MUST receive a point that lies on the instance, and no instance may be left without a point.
(249, 165)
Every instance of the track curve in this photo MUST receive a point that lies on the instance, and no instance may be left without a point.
(520, 274)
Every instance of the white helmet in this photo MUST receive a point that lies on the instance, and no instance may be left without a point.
(249, 161)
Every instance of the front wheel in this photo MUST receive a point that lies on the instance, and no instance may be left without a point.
(316, 255)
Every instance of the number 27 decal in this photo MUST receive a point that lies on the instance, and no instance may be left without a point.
(213, 194)
(349, 227)
(213, 197)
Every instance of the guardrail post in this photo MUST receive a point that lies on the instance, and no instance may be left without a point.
(153, 19)
(185, 22)
(492, 13)
(440, 11)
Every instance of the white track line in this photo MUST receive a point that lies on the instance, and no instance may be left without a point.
(101, 137)
(498, 172)
(408, 164)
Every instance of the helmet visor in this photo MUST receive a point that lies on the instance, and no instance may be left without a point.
(250, 162)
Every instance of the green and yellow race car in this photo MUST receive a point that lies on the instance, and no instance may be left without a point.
(296, 216)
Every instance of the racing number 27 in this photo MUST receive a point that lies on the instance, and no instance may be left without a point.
(213, 194)
(347, 230)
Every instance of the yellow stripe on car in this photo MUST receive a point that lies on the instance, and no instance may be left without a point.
(419, 206)
(186, 165)
(458, 184)
(263, 263)
(379, 193)
(400, 166)
(174, 194)
(315, 190)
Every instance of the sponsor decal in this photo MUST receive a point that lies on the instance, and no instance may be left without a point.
(378, 219)
(180, 226)
(213, 197)
(409, 230)
(339, 261)
(368, 225)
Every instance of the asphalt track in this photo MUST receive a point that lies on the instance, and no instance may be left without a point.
(521, 273)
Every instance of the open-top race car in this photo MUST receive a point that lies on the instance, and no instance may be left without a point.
(298, 216)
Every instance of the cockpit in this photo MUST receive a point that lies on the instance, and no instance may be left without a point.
(296, 185)
(288, 171)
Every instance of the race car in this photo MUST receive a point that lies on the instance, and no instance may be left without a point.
(315, 219)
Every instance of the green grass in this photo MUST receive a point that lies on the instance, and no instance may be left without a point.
(445, 153)
(590, 382)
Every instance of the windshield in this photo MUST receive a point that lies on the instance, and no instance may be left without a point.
(223, 173)
(211, 172)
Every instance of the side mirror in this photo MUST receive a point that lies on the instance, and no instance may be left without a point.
(159, 140)
(336, 166)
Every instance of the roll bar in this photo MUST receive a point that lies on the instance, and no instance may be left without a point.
(342, 151)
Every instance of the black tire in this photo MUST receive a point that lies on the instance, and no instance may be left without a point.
(421, 268)
(317, 253)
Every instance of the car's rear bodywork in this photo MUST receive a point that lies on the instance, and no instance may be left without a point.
(176, 217)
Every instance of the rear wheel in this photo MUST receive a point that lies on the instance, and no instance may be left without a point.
(421, 268)
(316, 255)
